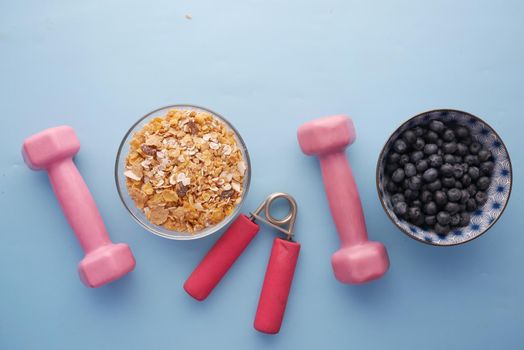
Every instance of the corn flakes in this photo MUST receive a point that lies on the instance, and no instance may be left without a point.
(185, 170)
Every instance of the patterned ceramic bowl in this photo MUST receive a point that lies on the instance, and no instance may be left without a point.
(498, 193)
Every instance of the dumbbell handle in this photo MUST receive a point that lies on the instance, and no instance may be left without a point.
(344, 200)
(78, 205)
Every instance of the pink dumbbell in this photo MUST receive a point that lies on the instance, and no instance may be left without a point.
(53, 150)
(359, 260)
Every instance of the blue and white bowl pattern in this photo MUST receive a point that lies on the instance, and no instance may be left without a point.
(498, 193)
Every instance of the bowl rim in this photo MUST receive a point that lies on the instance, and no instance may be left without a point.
(382, 199)
(247, 177)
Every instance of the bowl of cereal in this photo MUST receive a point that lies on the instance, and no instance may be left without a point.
(182, 172)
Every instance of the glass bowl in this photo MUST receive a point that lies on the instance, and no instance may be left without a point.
(137, 214)
(499, 191)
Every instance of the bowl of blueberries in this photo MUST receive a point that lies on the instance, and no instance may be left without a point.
(444, 177)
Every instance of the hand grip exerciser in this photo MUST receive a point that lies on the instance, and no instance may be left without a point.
(221, 257)
(52, 150)
(280, 270)
(277, 283)
(358, 260)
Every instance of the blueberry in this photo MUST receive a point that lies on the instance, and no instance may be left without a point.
(452, 208)
(434, 186)
(400, 208)
(439, 144)
(436, 126)
(431, 137)
(414, 213)
(472, 189)
(441, 198)
(435, 161)
(411, 194)
(410, 170)
(415, 156)
(430, 208)
(462, 149)
(400, 146)
(430, 175)
(449, 147)
(441, 229)
(467, 141)
(430, 148)
(419, 131)
(457, 171)
(397, 198)
(449, 158)
(443, 218)
(464, 196)
(426, 196)
(464, 219)
(486, 168)
(475, 147)
(419, 144)
(391, 167)
(391, 187)
(398, 175)
(483, 183)
(462, 207)
(455, 220)
(409, 136)
(458, 184)
(448, 182)
(481, 198)
(466, 180)
(416, 203)
(474, 172)
(393, 157)
(471, 159)
(484, 155)
(422, 165)
(420, 220)
(446, 170)
(414, 183)
(454, 195)
(471, 204)
(430, 220)
(448, 135)
(405, 183)
(461, 132)
(404, 159)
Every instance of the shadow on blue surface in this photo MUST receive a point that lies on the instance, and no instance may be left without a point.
(112, 296)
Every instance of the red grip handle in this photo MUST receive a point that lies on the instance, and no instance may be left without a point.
(220, 258)
(277, 283)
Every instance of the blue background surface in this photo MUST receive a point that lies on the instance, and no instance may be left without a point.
(267, 66)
